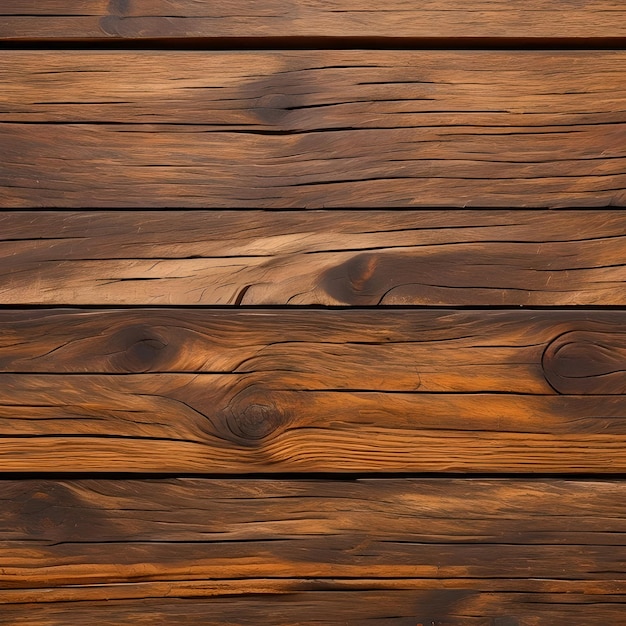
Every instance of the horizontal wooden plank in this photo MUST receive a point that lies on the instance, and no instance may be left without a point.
(243, 551)
(485, 533)
(312, 390)
(452, 607)
(296, 129)
(529, 352)
(568, 591)
(313, 257)
(140, 19)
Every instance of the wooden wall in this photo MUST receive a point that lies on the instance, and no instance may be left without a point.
(313, 312)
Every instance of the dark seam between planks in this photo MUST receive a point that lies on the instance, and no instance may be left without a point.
(316, 476)
(320, 43)
(311, 307)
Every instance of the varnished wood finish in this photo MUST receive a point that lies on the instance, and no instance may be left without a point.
(141, 19)
(313, 257)
(295, 129)
(224, 391)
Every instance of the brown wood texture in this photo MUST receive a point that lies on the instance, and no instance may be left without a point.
(313, 257)
(459, 552)
(312, 390)
(313, 605)
(180, 445)
(313, 129)
(570, 533)
(141, 19)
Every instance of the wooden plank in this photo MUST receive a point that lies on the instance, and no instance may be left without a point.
(312, 390)
(452, 607)
(529, 352)
(382, 551)
(141, 19)
(566, 590)
(485, 533)
(313, 257)
(296, 129)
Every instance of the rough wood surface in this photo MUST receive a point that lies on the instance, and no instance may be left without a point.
(107, 531)
(312, 390)
(313, 129)
(313, 257)
(350, 607)
(333, 406)
(141, 19)
(574, 591)
(459, 552)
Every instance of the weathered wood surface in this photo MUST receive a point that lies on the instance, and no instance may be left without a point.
(459, 552)
(141, 19)
(529, 352)
(566, 590)
(314, 394)
(313, 129)
(350, 607)
(563, 535)
(312, 390)
(313, 257)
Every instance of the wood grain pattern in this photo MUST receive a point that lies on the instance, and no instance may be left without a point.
(313, 257)
(227, 391)
(496, 531)
(296, 129)
(350, 607)
(234, 551)
(306, 427)
(567, 591)
(140, 19)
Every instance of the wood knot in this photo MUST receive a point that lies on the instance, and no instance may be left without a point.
(361, 280)
(254, 420)
(140, 349)
(274, 109)
(113, 23)
(586, 362)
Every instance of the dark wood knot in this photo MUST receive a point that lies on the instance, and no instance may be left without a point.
(371, 278)
(254, 418)
(273, 109)
(586, 362)
(361, 280)
(139, 349)
(115, 22)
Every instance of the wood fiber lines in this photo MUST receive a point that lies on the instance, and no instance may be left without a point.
(227, 391)
(448, 258)
(128, 20)
(364, 551)
(296, 129)
(312, 313)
